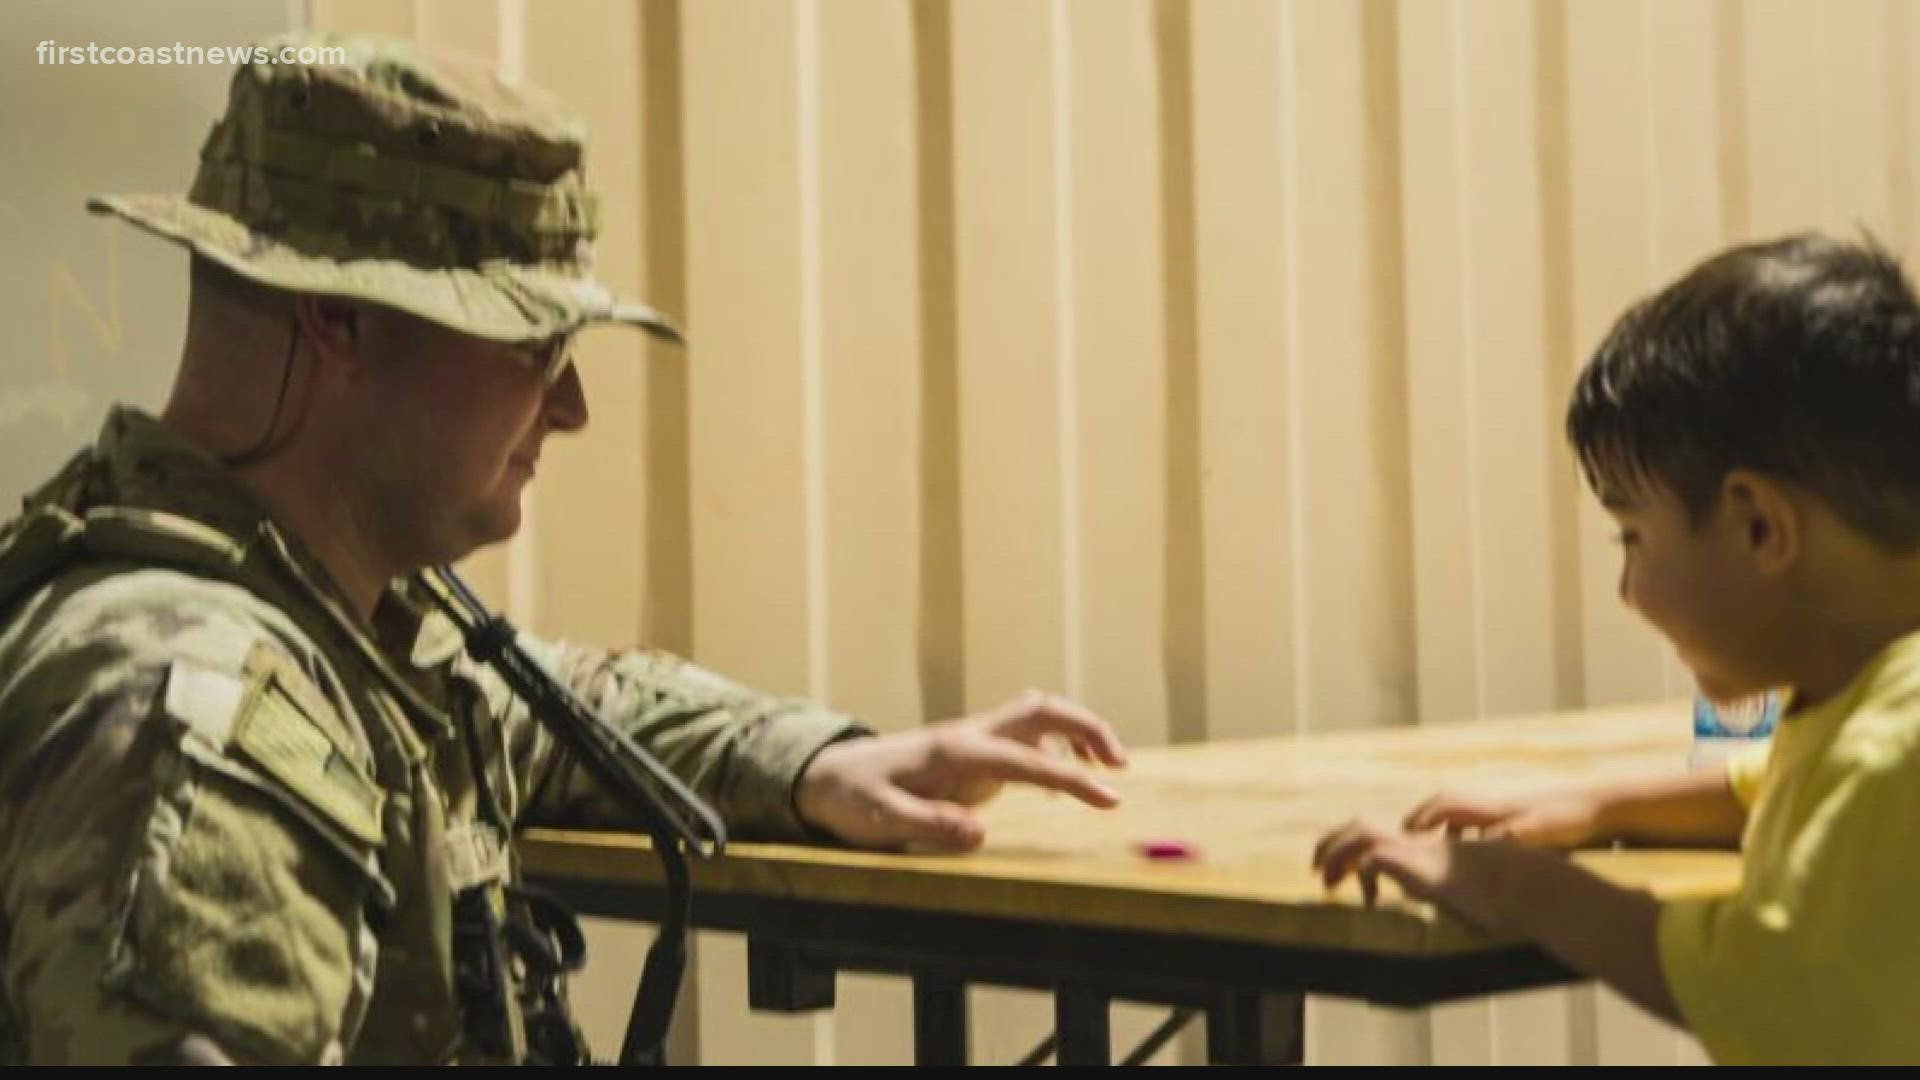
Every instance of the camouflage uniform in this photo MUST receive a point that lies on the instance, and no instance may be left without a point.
(230, 809)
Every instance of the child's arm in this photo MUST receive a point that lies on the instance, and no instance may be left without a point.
(1690, 809)
(1595, 927)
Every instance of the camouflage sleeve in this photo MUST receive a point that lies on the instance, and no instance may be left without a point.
(165, 895)
(741, 750)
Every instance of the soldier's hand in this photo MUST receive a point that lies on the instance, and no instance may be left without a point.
(917, 787)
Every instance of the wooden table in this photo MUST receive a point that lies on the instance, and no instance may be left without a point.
(1061, 899)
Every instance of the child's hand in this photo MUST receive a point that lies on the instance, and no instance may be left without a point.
(1565, 819)
(1432, 867)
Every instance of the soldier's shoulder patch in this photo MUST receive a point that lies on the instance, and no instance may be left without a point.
(278, 725)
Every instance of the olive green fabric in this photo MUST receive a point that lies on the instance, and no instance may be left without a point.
(230, 810)
(423, 183)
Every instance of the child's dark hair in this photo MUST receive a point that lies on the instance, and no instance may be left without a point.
(1798, 358)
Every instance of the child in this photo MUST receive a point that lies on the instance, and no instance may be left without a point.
(1755, 432)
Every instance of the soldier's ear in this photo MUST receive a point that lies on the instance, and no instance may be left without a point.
(332, 326)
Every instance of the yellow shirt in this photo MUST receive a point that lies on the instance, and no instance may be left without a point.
(1817, 958)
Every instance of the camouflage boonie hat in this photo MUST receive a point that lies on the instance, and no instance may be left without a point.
(426, 185)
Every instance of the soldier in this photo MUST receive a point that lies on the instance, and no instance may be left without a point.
(246, 776)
